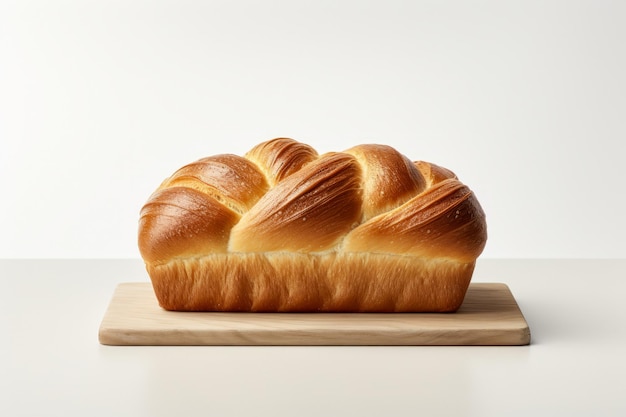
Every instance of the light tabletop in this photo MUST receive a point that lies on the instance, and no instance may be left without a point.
(52, 363)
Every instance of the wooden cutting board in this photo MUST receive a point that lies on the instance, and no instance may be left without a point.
(489, 316)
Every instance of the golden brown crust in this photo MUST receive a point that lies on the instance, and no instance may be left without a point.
(433, 173)
(444, 221)
(281, 157)
(286, 229)
(182, 222)
(307, 212)
(390, 178)
(230, 179)
(331, 282)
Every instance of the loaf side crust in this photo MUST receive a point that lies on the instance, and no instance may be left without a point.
(305, 282)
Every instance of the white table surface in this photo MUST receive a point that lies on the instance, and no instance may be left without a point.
(51, 363)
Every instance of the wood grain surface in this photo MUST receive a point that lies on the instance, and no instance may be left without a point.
(489, 316)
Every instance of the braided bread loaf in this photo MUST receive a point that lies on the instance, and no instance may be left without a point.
(285, 229)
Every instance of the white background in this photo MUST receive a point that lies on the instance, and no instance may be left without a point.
(101, 100)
